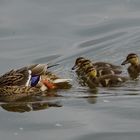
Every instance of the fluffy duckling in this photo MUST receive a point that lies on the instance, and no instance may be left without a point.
(80, 60)
(105, 81)
(134, 68)
(84, 64)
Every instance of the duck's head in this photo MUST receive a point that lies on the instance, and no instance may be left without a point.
(78, 62)
(91, 72)
(132, 58)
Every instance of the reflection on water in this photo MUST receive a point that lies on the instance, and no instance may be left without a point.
(27, 107)
(110, 136)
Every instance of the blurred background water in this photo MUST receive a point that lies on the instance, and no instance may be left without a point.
(59, 31)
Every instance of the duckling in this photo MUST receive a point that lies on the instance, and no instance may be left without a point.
(83, 66)
(106, 64)
(134, 68)
(105, 81)
(100, 70)
(80, 60)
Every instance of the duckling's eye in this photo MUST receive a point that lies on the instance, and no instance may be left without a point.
(84, 64)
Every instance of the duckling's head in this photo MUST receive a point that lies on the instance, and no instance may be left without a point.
(132, 58)
(91, 72)
(78, 62)
(86, 64)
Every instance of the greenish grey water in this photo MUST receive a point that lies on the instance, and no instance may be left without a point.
(58, 31)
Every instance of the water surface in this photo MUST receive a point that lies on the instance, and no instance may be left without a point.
(58, 31)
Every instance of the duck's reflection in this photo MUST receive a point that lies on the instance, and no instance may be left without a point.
(28, 106)
(33, 103)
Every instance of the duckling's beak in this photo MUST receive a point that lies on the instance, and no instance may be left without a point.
(50, 66)
(74, 67)
(125, 62)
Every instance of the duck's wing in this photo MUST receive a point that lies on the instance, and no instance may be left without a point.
(15, 77)
(38, 69)
(13, 93)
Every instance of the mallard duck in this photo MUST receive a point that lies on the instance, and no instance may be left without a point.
(15, 84)
(105, 81)
(23, 75)
(134, 68)
(80, 60)
(23, 82)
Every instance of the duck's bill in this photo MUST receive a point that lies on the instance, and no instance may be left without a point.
(124, 62)
(74, 67)
(50, 66)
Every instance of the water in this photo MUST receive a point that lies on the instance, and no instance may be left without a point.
(58, 31)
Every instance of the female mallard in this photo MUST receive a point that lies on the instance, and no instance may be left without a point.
(15, 84)
(29, 81)
(134, 68)
(105, 81)
(23, 75)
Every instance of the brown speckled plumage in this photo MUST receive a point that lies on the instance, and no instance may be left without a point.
(102, 68)
(14, 77)
(104, 81)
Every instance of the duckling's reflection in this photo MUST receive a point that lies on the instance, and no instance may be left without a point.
(22, 107)
(90, 95)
